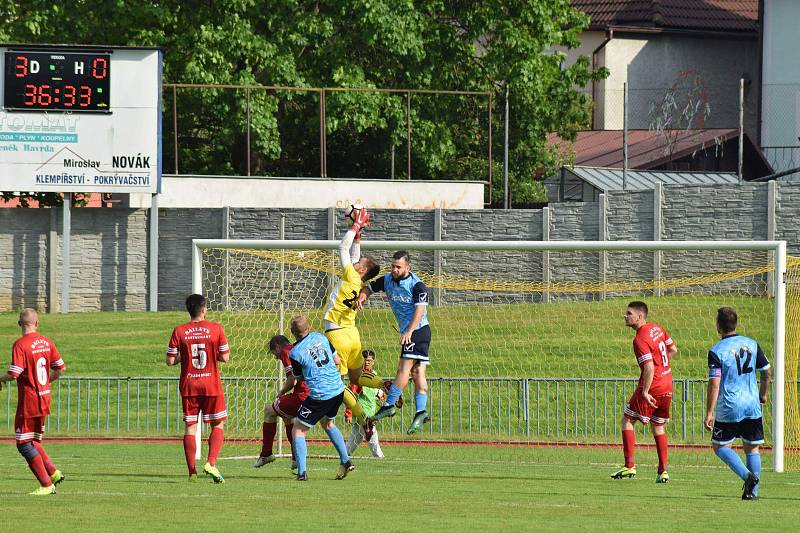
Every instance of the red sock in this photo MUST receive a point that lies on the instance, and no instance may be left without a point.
(628, 445)
(661, 448)
(48, 464)
(289, 436)
(37, 467)
(215, 444)
(268, 430)
(190, 450)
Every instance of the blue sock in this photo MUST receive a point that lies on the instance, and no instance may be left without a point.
(300, 453)
(420, 401)
(394, 395)
(338, 442)
(754, 465)
(732, 459)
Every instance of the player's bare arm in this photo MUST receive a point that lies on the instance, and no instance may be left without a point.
(5, 378)
(173, 360)
(419, 310)
(288, 385)
(648, 371)
(363, 295)
(712, 392)
(224, 357)
(765, 378)
(56, 373)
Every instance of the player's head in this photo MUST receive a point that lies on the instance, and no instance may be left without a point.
(369, 359)
(727, 320)
(401, 264)
(196, 305)
(277, 343)
(367, 267)
(300, 326)
(28, 319)
(636, 314)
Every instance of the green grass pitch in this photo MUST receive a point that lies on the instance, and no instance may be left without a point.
(142, 486)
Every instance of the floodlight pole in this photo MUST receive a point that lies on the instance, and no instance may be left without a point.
(624, 135)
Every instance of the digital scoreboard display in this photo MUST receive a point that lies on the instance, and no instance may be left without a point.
(57, 81)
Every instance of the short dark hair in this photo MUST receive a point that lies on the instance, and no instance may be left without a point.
(278, 340)
(195, 304)
(639, 306)
(727, 319)
(368, 353)
(401, 254)
(372, 267)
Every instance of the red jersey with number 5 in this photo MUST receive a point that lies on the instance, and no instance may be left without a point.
(32, 357)
(199, 344)
(652, 343)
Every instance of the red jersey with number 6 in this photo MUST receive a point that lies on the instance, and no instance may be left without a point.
(652, 343)
(199, 344)
(32, 357)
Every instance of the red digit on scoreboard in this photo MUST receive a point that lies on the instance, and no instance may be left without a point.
(85, 96)
(69, 95)
(99, 68)
(30, 94)
(21, 68)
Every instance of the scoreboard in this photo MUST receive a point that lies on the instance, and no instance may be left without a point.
(80, 118)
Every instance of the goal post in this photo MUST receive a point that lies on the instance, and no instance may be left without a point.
(475, 275)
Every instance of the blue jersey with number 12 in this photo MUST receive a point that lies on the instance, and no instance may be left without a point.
(734, 361)
(312, 360)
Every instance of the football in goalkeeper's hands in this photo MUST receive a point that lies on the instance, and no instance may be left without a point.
(352, 211)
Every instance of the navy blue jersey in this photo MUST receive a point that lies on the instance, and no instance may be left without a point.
(404, 296)
(312, 360)
(734, 360)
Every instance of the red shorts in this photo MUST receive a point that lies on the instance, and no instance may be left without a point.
(27, 429)
(213, 408)
(637, 408)
(287, 405)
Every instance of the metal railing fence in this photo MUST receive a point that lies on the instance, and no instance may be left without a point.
(511, 409)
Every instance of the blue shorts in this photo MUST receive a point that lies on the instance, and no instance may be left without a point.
(312, 411)
(750, 430)
(417, 349)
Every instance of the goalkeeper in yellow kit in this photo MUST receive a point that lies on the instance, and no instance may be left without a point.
(340, 317)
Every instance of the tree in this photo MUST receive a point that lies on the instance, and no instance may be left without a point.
(426, 44)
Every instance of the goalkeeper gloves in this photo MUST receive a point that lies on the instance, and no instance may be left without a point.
(360, 217)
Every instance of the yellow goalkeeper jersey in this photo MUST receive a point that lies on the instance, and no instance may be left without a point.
(342, 302)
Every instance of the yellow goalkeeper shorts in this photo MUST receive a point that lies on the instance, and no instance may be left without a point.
(347, 343)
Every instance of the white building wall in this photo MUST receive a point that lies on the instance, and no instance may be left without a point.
(780, 124)
(652, 63)
(213, 192)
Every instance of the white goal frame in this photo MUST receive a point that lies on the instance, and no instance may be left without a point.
(778, 248)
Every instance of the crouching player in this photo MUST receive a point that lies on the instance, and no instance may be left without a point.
(35, 363)
(314, 361)
(285, 405)
(368, 398)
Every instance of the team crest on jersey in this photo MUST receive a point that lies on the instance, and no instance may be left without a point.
(304, 412)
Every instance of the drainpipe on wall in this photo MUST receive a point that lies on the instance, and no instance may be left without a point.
(609, 36)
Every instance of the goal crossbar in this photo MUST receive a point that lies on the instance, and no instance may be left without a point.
(778, 247)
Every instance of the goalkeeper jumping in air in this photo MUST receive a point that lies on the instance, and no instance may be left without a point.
(340, 317)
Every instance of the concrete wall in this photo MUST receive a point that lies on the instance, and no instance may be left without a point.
(109, 262)
(261, 192)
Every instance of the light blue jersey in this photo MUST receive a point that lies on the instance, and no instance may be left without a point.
(312, 360)
(404, 296)
(734, 360)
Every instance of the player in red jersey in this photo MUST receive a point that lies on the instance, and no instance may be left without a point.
(650, 402)
(35, 363)
(285, 405)
(198, 346)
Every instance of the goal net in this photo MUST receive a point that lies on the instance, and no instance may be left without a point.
(528, 344)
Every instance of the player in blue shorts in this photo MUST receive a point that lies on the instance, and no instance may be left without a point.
(314, 360)
(408, 298)
(733, 390)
